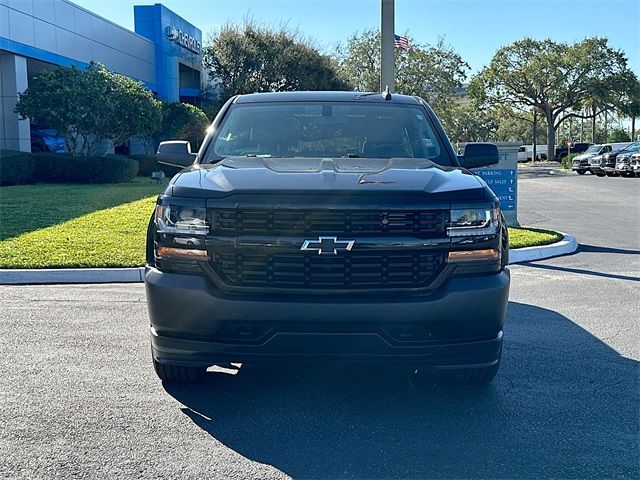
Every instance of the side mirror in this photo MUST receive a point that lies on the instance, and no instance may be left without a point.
(176, 153)
(479, 155)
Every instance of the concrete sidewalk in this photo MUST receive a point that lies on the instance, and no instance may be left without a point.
(135, 275)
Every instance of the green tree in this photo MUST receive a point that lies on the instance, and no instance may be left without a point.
(251, 58)
(431, 72)
(518, 126)
(182, 121)
(134, 112)
(618, 134)
(557, 79)
(88, 105)
(630, 107)
(470, 124)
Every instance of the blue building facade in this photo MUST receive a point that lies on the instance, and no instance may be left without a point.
(164, 52)
(178, 51)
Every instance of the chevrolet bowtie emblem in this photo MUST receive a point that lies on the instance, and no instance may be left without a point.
(327, 245)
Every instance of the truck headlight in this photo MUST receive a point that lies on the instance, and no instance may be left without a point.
(181, 220)
(473, 221)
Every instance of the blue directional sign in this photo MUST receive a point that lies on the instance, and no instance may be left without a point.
(503, 182)
(502, 178)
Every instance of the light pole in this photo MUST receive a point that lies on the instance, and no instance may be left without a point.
(387, 49)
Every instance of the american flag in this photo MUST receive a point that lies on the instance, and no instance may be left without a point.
(401, 42)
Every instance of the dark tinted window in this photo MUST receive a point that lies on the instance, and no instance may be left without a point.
(317, 129)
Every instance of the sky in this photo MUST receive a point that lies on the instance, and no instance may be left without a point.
(473, 28)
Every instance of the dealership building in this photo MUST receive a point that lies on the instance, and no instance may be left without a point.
(164, 52)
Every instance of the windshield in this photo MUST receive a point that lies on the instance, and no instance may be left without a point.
(634, 147)
(319, 129)
(593, 149)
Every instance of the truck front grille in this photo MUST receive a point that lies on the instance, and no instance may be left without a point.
(306, 270)
(293, 222)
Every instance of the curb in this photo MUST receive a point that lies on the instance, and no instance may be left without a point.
(136, 275)
(71, 275)
(527, 254)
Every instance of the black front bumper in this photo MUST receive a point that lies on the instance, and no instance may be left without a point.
(194, 324)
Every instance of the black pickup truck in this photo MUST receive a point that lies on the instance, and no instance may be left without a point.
(327, 226)
(563, 151)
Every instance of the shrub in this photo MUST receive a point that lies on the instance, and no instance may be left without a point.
(65, 168)
(567, 160)
(16, 168)
(148, 164)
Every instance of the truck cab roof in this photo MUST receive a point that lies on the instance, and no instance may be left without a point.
(369, 97)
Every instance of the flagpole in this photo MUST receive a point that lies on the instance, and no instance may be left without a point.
(387, 52)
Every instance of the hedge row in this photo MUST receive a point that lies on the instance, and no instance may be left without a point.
(149, 164)
(22, 168)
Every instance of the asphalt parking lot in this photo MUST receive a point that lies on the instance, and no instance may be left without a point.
(78, 396)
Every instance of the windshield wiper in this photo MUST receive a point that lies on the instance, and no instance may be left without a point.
(351, 155)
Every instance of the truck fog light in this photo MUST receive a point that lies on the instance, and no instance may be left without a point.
(181, 253)
(474, 255)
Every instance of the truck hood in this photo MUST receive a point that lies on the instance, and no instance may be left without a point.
(584, 156)
(254, 175)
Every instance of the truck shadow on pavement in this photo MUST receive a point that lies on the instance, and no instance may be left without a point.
(563, 405)
(581, 271)
(584, 248)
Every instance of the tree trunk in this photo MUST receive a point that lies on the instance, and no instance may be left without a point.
(593, 124)
(551, 136)
(633, 129)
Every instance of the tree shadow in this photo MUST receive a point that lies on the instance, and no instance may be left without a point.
(563, 405)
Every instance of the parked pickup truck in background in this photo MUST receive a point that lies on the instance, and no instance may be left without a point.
(333, 226)
(597, 162)
(563, 151)
(634, 164)
(623, 165)
(580, 163)
(609, 160)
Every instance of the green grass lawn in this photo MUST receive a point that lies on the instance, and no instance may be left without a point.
(25, 208)
(530, 237)
(63, 226)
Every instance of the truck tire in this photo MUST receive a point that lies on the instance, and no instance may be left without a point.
(599, 174)
(176, 374)
(581, 172)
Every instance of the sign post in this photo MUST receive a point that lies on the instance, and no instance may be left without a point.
(387, 52)
(503, 179)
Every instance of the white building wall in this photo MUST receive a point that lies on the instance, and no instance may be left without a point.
(14, 133)
(45, 28)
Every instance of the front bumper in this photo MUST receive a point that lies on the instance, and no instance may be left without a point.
(194, 324)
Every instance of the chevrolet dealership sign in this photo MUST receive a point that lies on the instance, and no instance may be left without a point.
(183, 39)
